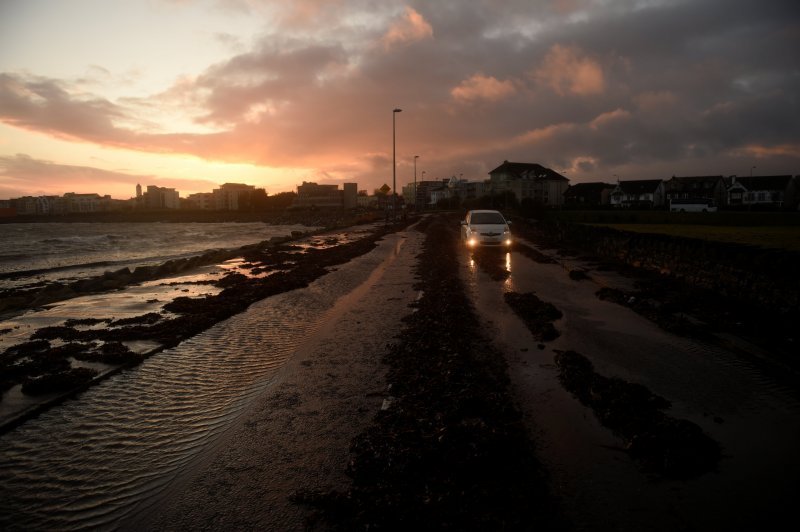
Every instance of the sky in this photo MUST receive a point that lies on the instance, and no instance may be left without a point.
(97, 96)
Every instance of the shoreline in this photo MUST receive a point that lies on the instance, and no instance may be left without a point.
(319, 217)
(179, 319)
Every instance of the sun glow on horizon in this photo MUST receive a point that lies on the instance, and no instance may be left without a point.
(123, 169)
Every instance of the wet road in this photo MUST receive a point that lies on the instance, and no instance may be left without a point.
(752, 410)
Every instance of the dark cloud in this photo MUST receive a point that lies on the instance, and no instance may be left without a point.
(45, 105)
(631, 87)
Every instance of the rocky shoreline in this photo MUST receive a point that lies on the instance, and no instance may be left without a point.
(42, 364)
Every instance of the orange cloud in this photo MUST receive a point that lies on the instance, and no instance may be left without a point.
(542, 134)
(608, 118)
(566, 71)
(761, 152)
(480, 87)
(410, 28)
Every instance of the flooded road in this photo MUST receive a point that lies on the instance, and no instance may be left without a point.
(110, 456)
(750, 409)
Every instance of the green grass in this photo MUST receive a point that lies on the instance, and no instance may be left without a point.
(728, 218)
(777, 237)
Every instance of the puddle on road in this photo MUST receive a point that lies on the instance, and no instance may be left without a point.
(598, 483)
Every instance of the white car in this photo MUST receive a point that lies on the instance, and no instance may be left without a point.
(485, 228)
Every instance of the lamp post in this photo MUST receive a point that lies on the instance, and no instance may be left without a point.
(416, 195)
(415, 182)
(751, 171)
(394, 167)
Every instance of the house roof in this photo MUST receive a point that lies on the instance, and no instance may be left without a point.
(587, 188)
(764, 182)
(527, 171)
(642, 186)
(692, 182)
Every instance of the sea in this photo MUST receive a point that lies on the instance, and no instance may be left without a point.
(32, 253)
(102, 458)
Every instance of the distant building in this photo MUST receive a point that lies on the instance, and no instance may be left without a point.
(85, 203)
(199, 201)
(230, 196)
(67, 204)
(366, 201)
(645, 193)
(440, 194)
(777, 191)
(428, 191)
(312, 195)
(707, 188)
(7, 210)
(529, 181)
(350, 195)
(588, 194)
(157, 198)
(472, 189)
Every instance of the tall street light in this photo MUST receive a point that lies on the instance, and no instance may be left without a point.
(416, 196)
(415, 182)
(394, 167)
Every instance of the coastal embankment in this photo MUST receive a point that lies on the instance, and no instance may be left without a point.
(724, 291)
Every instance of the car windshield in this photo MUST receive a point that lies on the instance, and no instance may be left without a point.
(487, 218)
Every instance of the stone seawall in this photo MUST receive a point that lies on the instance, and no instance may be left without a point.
(765, 277)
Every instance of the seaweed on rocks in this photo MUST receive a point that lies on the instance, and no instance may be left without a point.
(578, 275)
(84, 321)
(449, 451)
(61, 381)
(144, 319)
(37, 365)
(538, 315)
(664, 446)
(113, 353)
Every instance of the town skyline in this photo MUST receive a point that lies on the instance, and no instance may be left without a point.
(400, 187)
(273, 93)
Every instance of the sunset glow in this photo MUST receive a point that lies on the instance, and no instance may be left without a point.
(97, 96)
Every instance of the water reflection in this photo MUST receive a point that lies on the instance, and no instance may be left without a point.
(91, 462)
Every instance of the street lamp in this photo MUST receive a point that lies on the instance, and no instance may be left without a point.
(416, 195)
(394, 168)
(751, 170)
(415, 182)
